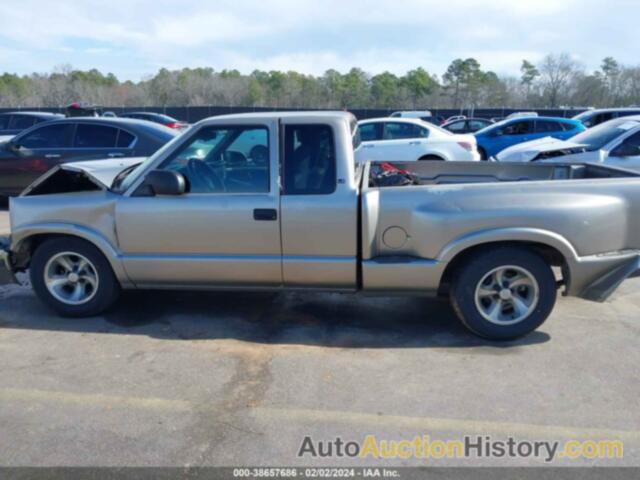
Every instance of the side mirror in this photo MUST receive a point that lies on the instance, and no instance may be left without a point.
(166, 182)
(625, 150)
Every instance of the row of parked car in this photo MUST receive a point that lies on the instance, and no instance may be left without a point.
(31, 143)
(606, 135)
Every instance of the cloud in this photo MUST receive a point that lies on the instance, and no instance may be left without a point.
(135, 37)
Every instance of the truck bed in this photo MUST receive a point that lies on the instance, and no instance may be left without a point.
(436, 173)
(414, 229)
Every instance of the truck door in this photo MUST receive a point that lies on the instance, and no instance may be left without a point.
(318, 205)
(225, 230)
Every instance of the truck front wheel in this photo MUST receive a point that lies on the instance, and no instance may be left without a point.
(503, 293)
(73, 277)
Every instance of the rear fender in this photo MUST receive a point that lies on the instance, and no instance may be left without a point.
(534, 235)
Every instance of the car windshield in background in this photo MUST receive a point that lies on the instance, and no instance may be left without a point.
(597, 137)
(491, 127)
(583, 115)
(126, 178)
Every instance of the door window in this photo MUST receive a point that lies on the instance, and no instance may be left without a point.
(518, 128)
(399, 131)
(95, 136)
(548, 126)
(309, 160)
(48, 136)
(224, 160)
(4, 122)
(370, 131)
(125, 139)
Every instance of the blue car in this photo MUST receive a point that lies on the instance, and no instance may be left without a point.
(495, 138)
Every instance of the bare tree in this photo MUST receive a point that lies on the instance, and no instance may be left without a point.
(556, 73)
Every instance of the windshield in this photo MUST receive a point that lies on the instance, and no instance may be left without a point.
(583, 115)
(597, 137)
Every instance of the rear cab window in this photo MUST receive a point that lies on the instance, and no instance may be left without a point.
(309, 160)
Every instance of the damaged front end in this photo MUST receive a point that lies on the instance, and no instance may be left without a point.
(80, 176)
(69, 199)
(6, 268)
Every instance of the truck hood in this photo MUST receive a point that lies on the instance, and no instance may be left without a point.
(99, 173)
(103, 171)
(528, 151)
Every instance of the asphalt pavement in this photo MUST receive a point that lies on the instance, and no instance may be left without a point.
(176, 379)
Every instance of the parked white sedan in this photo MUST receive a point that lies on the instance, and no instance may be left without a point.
(616, 143)
(409, 139)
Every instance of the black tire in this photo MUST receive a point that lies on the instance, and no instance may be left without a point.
(483, 153)
(101, 298)
(468, 277)
(431, 158)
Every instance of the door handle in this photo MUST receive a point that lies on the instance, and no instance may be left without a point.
(368, 146)
(417, 142)
(52, 155)
(265, 214)
(115, 155)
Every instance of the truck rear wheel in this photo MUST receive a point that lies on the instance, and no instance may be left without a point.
(503, 293)
(73, 277)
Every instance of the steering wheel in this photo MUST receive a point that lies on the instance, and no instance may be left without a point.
(259, 154)
(202, 175)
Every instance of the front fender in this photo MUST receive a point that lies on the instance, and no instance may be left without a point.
(21, 236)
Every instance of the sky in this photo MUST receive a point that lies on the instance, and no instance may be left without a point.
(135, 38)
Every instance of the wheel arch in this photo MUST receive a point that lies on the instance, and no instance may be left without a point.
(554, 249)
(24, 242)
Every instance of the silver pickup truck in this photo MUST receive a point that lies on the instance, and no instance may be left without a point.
(276, 202)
